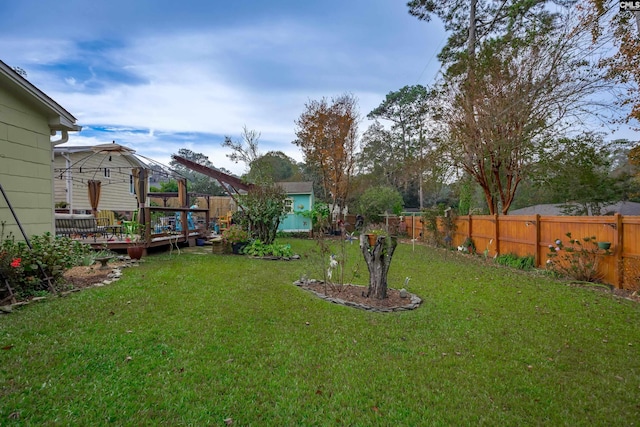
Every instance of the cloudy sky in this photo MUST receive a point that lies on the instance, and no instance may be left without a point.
(158, 75)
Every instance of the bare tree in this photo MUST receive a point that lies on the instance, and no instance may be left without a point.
(245, 151)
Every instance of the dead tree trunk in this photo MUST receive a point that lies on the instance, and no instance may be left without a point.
(378, 259)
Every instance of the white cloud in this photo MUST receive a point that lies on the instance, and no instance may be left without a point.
(172, 88)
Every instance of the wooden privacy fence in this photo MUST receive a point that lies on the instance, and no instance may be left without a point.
(531, 235)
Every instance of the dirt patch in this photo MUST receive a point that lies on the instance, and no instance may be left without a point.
(354, 295)
(85, 276)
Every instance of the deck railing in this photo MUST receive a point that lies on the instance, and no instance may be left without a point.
(187, 222)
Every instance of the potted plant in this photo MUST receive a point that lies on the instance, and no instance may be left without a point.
(604, 245)
(236, 236)
(135, 239)
(373, 231)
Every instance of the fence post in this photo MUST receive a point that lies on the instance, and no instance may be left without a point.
(470, 228)
(496, 233)
(536, 221)
(618, 238)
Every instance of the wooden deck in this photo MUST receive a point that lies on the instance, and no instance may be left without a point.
(157, 240)
(169, 226)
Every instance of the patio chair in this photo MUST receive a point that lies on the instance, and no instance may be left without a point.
(131, 227)
(225, 222)
(106, 217)
(107, 224)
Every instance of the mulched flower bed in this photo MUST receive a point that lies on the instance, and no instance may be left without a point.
(355, 296)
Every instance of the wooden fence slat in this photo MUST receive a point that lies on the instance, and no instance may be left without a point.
(530, 235)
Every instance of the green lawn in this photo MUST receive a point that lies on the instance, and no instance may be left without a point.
(195, 339)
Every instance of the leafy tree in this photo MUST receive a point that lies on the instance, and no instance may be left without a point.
(376, 158)
(625, 170)
(169, 186)
(407, 151)
(608, 26)
(263, 208)
(518, 89)
(263, 205)
(579, 174)
(379, 200)
(277, 166)
(473, 21)
(327, 133)
(197, 182)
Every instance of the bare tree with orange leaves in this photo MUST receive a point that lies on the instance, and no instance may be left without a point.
(327, 134)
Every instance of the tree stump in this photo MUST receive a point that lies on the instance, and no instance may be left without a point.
(378, 259)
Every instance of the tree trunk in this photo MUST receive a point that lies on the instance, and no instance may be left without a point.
(378, 259)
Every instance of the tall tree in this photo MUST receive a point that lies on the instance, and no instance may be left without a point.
(473, 21)
(498, 127)
(579, 174)
(277, 166)
(404, 152)
(327, 133)
(518, 76)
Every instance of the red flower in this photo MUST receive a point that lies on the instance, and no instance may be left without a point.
(16, 262)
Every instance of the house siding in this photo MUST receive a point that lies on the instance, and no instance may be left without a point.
(25, 166)
(295, 222)
(114, 193)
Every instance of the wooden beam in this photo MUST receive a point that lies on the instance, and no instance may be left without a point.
(231, 180)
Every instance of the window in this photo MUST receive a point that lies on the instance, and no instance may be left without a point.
(107, 173)
(288, 206)
(131, 186)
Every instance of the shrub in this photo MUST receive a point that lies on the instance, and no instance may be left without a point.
(319, 216)
(263, 206)
(441, 233)
(259, 249)
(377, 200)
(514, 261)
(578, 259)
(22, 266)
(235, 234)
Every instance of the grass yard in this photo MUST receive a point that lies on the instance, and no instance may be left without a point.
(197, 339)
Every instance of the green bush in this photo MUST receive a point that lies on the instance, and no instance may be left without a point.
(259, 249)
(577, 259)
(375, 201)
(235, 234)
(442, 238)
(319, 216)
(515, 261)
(22, 266)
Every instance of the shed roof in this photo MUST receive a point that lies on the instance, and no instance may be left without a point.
(301, 187)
